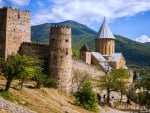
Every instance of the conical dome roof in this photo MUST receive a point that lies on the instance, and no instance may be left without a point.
(104, 31)
(85, 48)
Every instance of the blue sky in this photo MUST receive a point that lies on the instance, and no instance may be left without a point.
(130, 18)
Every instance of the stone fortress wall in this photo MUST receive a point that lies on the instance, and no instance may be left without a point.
(40, 49)
(15, 30)
(84, 67)
(3, 14)
(15, 36)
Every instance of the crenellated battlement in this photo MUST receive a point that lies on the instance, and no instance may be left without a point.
(60, 29)
(35, 44)
(60, 26)
(15, 9)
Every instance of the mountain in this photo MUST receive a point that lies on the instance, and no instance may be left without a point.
(147, 43)
(40, 33)
(134, 52)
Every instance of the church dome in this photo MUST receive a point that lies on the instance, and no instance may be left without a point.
(104, 31)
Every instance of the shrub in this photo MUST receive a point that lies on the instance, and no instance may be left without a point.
(51, 83)
(40, 79)
(86, 98)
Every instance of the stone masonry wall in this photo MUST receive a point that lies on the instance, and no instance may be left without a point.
(40, 49)
(3, 15)
(84, 67)
(105, 46)
(60, 65)
(17, 29)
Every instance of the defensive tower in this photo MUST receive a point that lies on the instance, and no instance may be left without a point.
(60, 63)
(14, 29)
(104, 42)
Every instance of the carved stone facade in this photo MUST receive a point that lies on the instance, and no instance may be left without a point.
(15, 29)
(60, 62)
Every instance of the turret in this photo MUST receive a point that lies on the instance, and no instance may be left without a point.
(60, 63)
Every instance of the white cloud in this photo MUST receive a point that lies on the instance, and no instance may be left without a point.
(20, 2)
(89, 11)
(143, 39)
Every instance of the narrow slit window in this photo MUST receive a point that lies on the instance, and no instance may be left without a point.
(66, 51)
(66, 40)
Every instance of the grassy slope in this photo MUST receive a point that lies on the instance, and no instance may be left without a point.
(44, 100)
(48, 100)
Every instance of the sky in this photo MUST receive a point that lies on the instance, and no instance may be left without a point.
(129, 18)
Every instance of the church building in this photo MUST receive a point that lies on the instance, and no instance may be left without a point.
(104, 56)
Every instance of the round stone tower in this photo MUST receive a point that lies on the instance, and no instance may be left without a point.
(60, 62)
(104, 42)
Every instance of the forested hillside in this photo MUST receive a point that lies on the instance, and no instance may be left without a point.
(134, 52)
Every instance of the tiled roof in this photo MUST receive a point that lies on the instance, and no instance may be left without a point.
(115, 57)
(102, 61)
(104, 31)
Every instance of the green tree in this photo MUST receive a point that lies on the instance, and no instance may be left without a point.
(75, 53)
(38, 73)
(30, 68)
(17, 66)
(144, 95)
(116, 80)
(79, 77)
(85, 97)
(9, 68)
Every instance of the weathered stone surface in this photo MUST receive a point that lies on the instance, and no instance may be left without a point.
(105, 46)
(15, 30)
(84, 67)
(8, 107)
(60, 62)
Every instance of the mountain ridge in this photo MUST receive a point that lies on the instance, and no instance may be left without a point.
(134, 52)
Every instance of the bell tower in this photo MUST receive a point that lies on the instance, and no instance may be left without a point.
(105, 40)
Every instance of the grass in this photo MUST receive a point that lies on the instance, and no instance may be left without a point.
(118, 103)
(9, 97)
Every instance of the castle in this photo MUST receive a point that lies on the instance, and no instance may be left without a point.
(15, 36)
